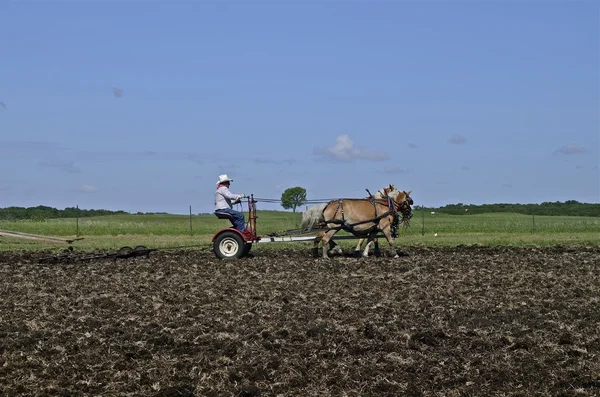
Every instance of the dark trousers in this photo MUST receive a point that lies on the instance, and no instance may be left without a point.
(238, 218)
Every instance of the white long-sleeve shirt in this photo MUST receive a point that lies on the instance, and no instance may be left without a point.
(224, 197)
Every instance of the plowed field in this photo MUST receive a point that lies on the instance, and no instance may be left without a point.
(439, 322)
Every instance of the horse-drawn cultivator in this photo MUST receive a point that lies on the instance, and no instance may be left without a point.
(230, 243)
(388, 207)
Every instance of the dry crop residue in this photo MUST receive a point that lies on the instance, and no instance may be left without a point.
(454, 321)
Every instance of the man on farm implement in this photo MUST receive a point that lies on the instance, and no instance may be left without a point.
(224, 199)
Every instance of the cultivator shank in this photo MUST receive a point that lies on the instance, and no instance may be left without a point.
(71, 256)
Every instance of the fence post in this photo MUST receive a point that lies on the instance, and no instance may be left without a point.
(191, 232)
(77, 223)
(423, 222)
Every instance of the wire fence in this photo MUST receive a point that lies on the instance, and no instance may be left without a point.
(433, 222)
(423, 222)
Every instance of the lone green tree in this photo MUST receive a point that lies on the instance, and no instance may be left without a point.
(293, 198)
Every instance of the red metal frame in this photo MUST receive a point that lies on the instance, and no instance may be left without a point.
(250, 225)
(252, 217)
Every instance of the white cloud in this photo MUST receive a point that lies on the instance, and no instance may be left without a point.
(343, 150)
(571, 149)
(458, 140)
(88, 189)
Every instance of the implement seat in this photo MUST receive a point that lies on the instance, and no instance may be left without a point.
(224, 215)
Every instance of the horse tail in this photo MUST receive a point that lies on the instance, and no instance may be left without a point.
(312, 217)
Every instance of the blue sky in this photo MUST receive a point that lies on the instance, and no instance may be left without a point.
(140, 105)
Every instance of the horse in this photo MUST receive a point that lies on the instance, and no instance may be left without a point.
(365, 218)
(313, 219)
(390, 191)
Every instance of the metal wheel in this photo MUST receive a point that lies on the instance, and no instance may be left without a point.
(124, 252)
(229, 245)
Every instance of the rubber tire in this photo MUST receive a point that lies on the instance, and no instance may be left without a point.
(247, 249)
(236, 249)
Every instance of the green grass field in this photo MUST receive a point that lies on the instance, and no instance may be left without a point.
(111, 232)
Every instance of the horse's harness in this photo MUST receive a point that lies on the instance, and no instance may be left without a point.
(393, 206)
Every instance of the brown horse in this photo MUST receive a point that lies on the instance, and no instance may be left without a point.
(313, 218)
(389, 191)
(365, 218)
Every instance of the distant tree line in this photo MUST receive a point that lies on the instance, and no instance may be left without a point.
(569, 207)
(43, 212)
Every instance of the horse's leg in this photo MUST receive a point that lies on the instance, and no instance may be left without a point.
(325, 240)
(357, 250)
(334, 248)
(388, 236)
(369, 241)
(316, 245)
(356, 253)
(377, 251)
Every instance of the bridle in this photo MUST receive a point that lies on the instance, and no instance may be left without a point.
(403, 207)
